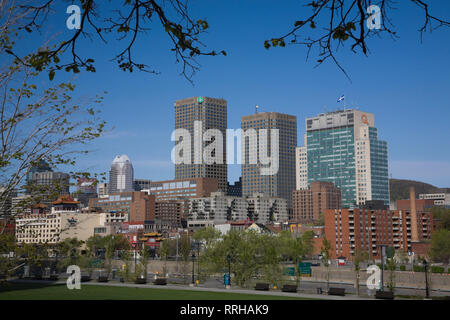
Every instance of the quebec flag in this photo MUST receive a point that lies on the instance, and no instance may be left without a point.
(341, 98)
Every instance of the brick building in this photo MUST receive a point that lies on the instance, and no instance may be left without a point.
(308, 204)
(352, 230)
(139, 206)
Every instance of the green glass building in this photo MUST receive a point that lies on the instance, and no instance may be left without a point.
(343, 148)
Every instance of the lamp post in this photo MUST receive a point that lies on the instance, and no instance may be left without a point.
(425, 265)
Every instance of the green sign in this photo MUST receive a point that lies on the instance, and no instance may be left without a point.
(304, 268)
(289, 271)
(390, 252)
(200, 99)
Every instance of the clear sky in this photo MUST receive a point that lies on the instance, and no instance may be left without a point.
(405, 83)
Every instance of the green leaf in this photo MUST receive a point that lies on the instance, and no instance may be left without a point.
(51, 74)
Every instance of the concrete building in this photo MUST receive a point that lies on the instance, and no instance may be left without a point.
(343, 148)
(48, 185)
(86, 189)
(65, 220)
(311, 203)
(142, 184)
(264, 209)
(179, 189)
(138, 206)
(197, 115)
(301, 168)
(439, 199)
(282, 182)
(21, 205)
(102, 189)
(121, 175)
(220, 208)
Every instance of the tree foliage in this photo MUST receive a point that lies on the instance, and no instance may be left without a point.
(124, 23)
(332, 24)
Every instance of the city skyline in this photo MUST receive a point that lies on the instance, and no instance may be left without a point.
(403, 82)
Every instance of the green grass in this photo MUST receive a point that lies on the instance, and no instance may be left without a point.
(33, 291)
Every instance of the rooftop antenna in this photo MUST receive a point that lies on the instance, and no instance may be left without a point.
(256, 108)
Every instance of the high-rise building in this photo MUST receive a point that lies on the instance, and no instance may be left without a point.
(201, 114)
(301, 168)
(366, 230)
(282, 182)
(42, 166)
(48, 185)
(138, 206)
(86, 189)
(343, 148)
(121, 175)
(102, 189)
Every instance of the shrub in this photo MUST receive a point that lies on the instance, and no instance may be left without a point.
(417, 268)
(402, 268)
(437, 269)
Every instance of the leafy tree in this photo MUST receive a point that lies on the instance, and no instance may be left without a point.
(207, 235)
(68, 252)
(360, 256)
(125, 23)
(440, 246)
(144, 254)
(391, 266)
(7, 263)
(164, 251)
(442, 215)
(185, 250)
(326, 254)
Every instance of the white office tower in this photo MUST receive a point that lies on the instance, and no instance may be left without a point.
(121, 175)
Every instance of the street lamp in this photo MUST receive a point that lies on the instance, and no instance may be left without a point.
(425, 265)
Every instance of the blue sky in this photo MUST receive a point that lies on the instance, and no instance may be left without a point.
(405, 83)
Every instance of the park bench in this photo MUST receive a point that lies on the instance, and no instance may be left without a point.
(336, 291)
(262, 286)
(85, 278)
(160, 281)
(102, 279)
(141, 281)
(289, 288)
(384, 295)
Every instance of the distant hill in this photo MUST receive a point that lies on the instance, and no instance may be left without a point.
(399, 188)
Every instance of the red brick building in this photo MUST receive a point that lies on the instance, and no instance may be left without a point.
(138, 205)
(352, 230)
(309, 204)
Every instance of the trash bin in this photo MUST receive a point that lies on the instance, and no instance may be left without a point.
(319, 290)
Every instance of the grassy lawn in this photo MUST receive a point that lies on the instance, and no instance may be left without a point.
(33, 291)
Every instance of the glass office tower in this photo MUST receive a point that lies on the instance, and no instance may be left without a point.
(343, 148)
